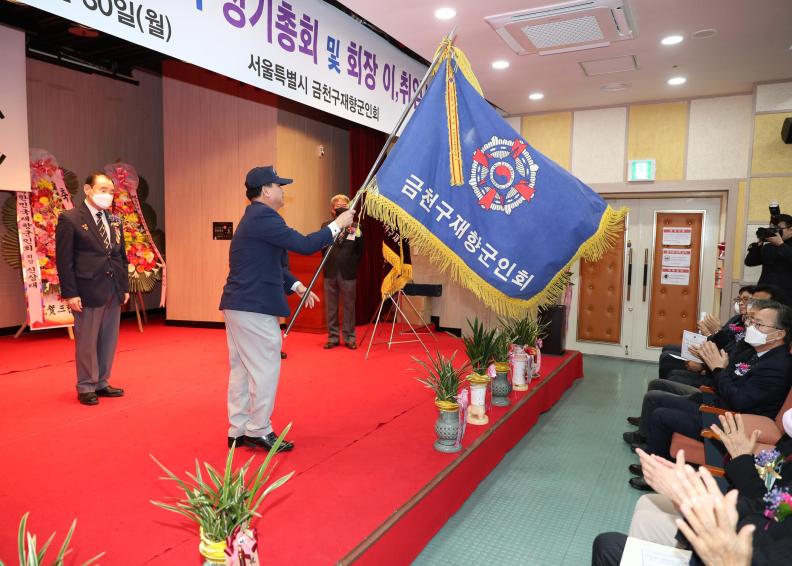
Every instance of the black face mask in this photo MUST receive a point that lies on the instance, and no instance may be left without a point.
(340, 210)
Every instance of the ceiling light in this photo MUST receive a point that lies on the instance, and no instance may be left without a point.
(500, 64)
(536, 96)
(445, 13)
(704, 33)
(677, 81)
(614, 87)
(672, 40)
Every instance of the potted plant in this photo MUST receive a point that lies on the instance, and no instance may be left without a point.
(31, 555)
(478, 345)
(444, 380)
(477, 410)
(222, 504)
(526, 334)
(501, 386)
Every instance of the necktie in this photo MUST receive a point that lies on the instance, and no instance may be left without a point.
(102, 231)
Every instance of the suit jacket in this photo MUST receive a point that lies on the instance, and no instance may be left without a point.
(761, 389)
(259, 278)
(344, 257)
(776, 262)
(87, 269)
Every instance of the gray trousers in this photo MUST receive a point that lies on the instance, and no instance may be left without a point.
(333, 287)
(659, 388)
(95, 340)
(254, 345)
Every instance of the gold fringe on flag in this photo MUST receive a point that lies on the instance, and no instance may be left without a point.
(455, 58)
(400, 274)
(423, 242)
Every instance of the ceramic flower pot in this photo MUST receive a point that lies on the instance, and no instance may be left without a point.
(519, 369)
(447, 427)
(477, 410)
(213, 552)
(501, 386)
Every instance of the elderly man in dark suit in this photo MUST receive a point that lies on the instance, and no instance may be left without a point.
(340, 278)
(92, 267)
(254, 297)
(757, 386)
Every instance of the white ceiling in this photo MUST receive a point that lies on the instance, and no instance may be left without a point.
(752, 45)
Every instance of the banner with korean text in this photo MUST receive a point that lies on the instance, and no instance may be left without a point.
(473, 196)
(305, 50)
(14, 166)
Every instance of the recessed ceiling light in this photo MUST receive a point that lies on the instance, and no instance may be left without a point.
(614, 87)
(677, 81)
(536, 96)
(445, 13)
(672, 40)
(500, 64)
(704, 33)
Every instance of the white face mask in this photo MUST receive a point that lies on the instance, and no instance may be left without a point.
(102, 200)
(755, 337)
(737, 308)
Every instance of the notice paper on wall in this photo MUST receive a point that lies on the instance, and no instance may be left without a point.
(691, 339)
(679, 236)
(639, 552)
(673, 257)
(675, 275)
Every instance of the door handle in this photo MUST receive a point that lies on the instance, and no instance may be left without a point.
(645, 272)
(629, 268)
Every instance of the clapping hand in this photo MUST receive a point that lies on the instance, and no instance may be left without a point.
(733, 435)
(713, 357)
(663, 476)
(710, 522)
(709, 325)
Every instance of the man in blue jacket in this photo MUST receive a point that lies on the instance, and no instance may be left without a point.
(254, 297)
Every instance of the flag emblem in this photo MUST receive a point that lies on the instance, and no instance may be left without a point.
(503, 174)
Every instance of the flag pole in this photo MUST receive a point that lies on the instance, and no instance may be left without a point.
(449, 38)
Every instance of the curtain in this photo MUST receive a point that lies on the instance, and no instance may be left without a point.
(364, 146)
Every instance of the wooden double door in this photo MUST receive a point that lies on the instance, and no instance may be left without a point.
(653, 284)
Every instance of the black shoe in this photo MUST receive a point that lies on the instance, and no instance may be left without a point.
(88, 398)
(330, 345)
(633, 438)
(636, 470)
(240, 441)
(283, 355)
(640, 484)
(267, 442)
(635, 421)
(639, 445)
(110, 392)
(351, 344)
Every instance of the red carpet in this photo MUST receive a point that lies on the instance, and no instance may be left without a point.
(363, 432)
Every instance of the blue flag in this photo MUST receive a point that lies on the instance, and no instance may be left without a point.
(470, 193)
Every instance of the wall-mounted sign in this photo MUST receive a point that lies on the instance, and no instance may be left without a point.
(305, 50)
(641, 170)
(677, 236)
(222, 230)
(675, 257)
(675, 276)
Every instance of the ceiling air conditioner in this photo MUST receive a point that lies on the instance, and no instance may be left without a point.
(563, 27)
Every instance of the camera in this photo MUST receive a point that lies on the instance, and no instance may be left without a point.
(772, 230)
(768, 232)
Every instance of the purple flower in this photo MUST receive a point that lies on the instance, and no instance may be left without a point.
(767, 457)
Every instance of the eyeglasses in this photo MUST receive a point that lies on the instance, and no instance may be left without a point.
(742, 300)
(759, 324)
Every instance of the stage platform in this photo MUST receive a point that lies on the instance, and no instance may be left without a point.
(368, 488)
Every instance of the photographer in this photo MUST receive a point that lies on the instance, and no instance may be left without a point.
(773, 251)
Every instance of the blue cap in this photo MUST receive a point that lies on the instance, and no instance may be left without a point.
(259, 176)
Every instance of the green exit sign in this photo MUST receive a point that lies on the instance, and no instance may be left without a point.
(641, 170)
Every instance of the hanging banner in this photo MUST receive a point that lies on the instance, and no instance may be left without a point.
(37, 217)
(146, 265)
(305, 50)
(14, 165)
